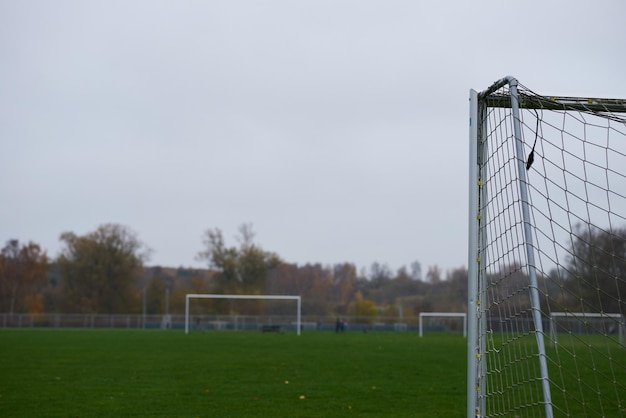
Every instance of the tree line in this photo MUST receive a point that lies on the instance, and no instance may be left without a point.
(105, 272)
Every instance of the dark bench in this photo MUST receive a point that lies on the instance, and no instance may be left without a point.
(270, 328)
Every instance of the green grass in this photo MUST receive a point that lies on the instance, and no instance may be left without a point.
(123, 373)
(587, 375)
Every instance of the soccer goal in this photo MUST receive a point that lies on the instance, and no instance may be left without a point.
(583, 326)
(547, 234)
(298, 324)
(443, 321)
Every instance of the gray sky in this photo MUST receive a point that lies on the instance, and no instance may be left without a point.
(339, 129)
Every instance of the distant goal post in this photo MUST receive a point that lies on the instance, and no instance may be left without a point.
(589, 323)
(423, 315)
(190, 296)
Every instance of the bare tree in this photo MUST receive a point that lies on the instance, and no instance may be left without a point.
(242, 269)
(597, 269)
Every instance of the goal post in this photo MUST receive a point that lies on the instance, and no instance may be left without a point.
(247, 297)
(461, 315)
(546, 235)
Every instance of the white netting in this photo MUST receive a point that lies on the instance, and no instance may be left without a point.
(575, 154)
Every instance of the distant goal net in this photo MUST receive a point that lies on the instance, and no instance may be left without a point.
(443, 322)
(547, 254)
(585, 327)
(230, 320)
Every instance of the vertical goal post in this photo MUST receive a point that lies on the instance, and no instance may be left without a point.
(462, 315)
(546, 254)
(247, 297)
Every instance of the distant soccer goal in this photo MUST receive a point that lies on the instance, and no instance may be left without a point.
(443, 321)
(547, 235)
(220, 324)
(585, 326)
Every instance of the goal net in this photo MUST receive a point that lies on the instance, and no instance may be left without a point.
(205, 320)
(547, 234)
(442, 322)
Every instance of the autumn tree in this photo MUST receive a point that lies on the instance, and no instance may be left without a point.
(155, 282)
(240, 269)
(311, 281)
(183, 282)
(433, 275)
(456, 284)
(155, 295)
(380, 274)
(402, 274)
(344, 285)
(363, 309)
(22, 277)
(100, 270)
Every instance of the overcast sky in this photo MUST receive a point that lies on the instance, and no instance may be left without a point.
(338, 129)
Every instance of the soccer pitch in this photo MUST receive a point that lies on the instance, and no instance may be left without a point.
(141, 373)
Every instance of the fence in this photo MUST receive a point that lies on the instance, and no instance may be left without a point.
(202, 322)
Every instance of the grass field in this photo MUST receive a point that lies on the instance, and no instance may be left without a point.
(139, 373)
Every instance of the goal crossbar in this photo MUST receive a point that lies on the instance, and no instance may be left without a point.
(262, 297)
(548, 102)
